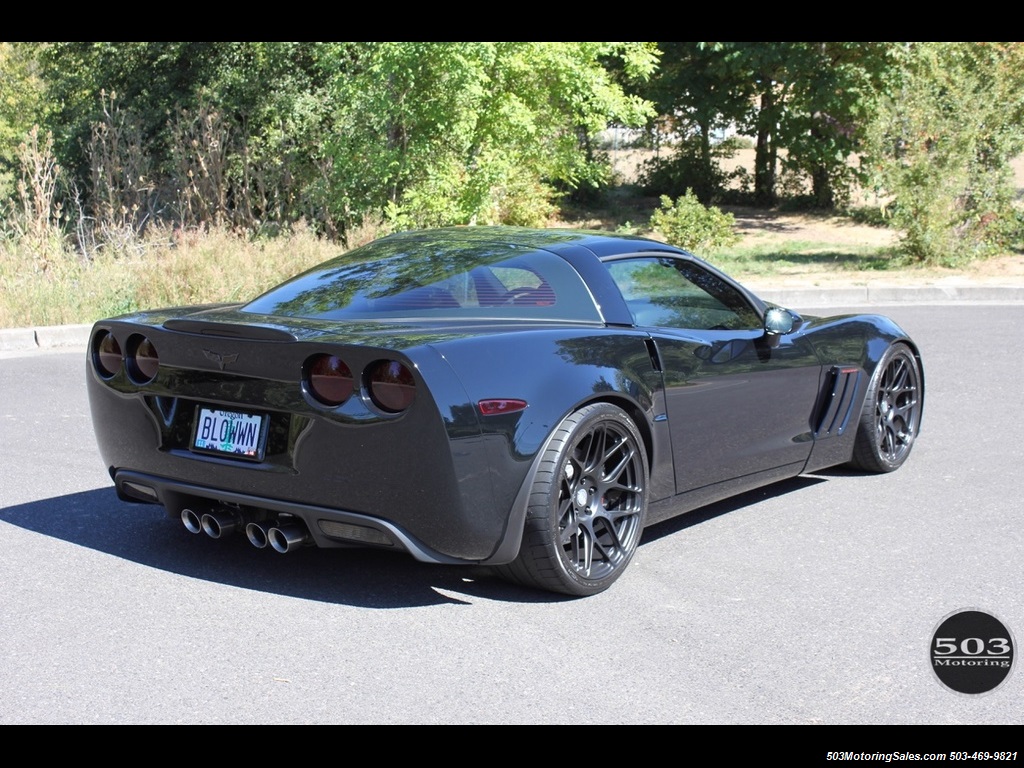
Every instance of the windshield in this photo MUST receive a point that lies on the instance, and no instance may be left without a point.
(402, 278)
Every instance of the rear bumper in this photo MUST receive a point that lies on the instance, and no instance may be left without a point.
(328, 528)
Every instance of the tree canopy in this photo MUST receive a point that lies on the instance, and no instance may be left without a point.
(423, 133)
(941, 146)
(258, 136)
(21, 98)
(931, 127)
(811, 100)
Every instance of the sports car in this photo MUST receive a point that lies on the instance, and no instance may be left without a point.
(523, 399)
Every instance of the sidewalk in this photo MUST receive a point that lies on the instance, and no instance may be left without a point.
(71, 336)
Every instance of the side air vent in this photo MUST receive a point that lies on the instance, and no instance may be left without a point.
(652, 350)
(840, 399)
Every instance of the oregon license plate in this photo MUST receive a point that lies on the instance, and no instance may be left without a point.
(229, 433)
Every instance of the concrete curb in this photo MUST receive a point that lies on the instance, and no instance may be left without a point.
(69, 336)
(882, 295)
(46, 337)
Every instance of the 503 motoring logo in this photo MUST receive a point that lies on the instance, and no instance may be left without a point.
(972, 652)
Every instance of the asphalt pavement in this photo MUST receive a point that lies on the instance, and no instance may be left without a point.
(813, 601)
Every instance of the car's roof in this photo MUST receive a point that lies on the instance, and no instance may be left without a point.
(549, 275)
(600, 243)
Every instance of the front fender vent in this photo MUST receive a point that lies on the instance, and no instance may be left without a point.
(652, 350)
(842, 386)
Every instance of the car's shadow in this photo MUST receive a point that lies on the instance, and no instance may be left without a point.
(711, 511)
(360, 577)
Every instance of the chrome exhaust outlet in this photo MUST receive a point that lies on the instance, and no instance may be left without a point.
(288, 538)
(259, 534)
(191, 520)
(218, 524)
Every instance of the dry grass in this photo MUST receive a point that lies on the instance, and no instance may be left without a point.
(167, 268)
(49, 283)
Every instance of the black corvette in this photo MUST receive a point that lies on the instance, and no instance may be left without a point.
(524, 399)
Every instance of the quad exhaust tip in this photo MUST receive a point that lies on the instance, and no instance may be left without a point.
(283, 538)
(258, 534)
(218, 524)
(215, 524)
(191, 520)
(288, 538)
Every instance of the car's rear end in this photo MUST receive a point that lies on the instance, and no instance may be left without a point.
(292, 433)
(394, 397)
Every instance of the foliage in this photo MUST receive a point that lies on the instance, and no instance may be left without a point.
(806, 104)
(36, 216)
(687, 168)
(259, 135)
(21, 99)
(834, 97)
(942, 145)
(474, 132)
(733, 144)
(687, 223)
(121, 176)
(356, 138)
(243, 118)
(700, 95)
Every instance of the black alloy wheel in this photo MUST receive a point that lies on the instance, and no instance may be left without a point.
(588, 504)
(891, 418)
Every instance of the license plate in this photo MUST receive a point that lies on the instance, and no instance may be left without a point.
(229, 433)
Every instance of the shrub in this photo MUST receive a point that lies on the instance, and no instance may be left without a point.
(688, 168)
(941, 150)
(688, 224)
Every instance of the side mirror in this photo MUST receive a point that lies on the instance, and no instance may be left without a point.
(778, 322)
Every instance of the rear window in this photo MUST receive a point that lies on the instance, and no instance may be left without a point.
(421, 279)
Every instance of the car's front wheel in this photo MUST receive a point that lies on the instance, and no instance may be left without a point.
(891, 417)
(587, 506)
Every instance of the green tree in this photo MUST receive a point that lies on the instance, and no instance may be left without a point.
(21, 102)
(334, 132)
(699, 93)
(463, 132)
(766, 64)
(812, 100)
(834, 97)
(152, 78)
(257, 108)
(942, 144)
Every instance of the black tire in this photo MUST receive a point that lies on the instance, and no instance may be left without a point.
(891, 418)
(587, 506)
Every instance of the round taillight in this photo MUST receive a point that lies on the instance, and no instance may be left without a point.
(107, 355)
(328, 379)
(143, 361)
(391, 386)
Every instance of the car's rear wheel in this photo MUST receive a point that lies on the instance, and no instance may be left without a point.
(587, 505)
(891, 417)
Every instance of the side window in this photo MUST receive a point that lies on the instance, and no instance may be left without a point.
(675, 293)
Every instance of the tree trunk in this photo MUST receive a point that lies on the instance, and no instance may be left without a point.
(821, 187)
(706, 187)
(765, 155)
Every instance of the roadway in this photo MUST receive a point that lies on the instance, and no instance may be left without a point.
(810, 602)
